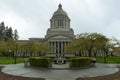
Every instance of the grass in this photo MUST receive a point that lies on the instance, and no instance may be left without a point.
(4, 60)
(109, 59)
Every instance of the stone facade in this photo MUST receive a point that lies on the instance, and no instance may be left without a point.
(59, 34)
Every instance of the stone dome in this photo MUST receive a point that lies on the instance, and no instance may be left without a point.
(60, 12)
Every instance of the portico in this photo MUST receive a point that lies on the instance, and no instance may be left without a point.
(58, 46)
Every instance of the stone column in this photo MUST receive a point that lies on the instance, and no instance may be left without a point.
(64, 23)
(61, 47)
(55, 47)
(52, 47)
(58, 47)
(68, 23)
(56, 24)
(65, 43)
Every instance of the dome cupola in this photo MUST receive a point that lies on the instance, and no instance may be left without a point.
(60, 12)
(60, 19)
(60, 24)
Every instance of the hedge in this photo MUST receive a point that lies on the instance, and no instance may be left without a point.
(40, 62)
(79, 62)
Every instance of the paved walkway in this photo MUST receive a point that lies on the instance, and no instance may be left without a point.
(48, 74)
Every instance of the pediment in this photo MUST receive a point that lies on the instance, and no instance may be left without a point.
(60, 37)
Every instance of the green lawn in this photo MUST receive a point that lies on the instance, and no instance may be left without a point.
(10, 60)
(109, 59)
(21, 60)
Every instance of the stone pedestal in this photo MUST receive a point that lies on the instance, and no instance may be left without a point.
(25, 62)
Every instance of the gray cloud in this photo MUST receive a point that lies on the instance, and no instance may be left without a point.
(31, 18)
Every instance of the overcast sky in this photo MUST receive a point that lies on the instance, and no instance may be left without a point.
(31, 17)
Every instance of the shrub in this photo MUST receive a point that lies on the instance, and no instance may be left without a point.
(79, 62)
(40, 62)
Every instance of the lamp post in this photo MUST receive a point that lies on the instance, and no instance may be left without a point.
(106, 50)
(26, 60)
(91, 47)
(16, 41)
(105, 58)
(15, 57)
(15, 54)
(111, 51)
(9, 51)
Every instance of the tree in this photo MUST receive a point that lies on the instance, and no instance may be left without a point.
(7, 32)
(7, 47)
(10, 43)
(34, 47)
(116, 46)
(8, 38)
(2, 47)
(15, 35)
(88, 42)
(44, 48)
(2, 31)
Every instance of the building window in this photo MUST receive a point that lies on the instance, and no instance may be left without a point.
(60, 23)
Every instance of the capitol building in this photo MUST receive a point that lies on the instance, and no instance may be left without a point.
(60, 33)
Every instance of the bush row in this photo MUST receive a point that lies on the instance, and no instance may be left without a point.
(40, 62)
(79, 62)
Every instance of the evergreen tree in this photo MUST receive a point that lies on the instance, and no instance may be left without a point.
(7, 33)
(2, 31)
(15, 35)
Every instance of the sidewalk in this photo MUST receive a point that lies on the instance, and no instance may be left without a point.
(48, 74)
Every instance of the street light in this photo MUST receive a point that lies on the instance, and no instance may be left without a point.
(105, 58)
(91, 47)
(105, 53)
(15, 54)
(9, 51)
(111, 51)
